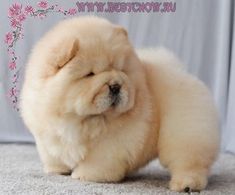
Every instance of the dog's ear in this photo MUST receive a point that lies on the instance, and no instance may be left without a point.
(120, 31)
(65, 51)
(59, 54)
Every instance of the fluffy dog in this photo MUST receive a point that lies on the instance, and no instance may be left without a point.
(98, 109)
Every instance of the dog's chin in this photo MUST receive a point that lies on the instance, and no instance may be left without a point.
(116, 108)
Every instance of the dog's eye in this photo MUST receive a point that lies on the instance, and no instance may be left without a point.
(90, 74)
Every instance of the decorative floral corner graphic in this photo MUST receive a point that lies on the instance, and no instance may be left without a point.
(18, 14)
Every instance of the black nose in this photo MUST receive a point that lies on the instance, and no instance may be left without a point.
(114, 89)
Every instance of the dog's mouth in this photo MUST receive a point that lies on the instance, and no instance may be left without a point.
(114, 94)
(115, 100)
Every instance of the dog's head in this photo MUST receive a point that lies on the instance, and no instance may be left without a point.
(90, 68)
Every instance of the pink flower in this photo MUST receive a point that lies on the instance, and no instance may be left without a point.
(14, 23)
(11, 12)
(12, 65)
(28, 9)
(14, 10)
(12, 92)
(43, 4)
(41, 15)
(21, 17)
(72, 11)
(9, 38)
(17, 6)
(15, 78)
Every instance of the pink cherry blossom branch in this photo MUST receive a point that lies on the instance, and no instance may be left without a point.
(17, 14)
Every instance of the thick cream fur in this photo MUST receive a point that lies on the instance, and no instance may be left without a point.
(163, 111)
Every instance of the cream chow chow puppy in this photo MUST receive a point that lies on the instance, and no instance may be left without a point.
(100, 110)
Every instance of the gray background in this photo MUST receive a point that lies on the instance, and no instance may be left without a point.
(200, 32)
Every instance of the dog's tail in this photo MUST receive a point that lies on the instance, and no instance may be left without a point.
(161, 56)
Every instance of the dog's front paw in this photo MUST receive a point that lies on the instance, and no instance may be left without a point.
(77, 174)
(57, 169)
(84, 175)
(96, 174)
(188, 182)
